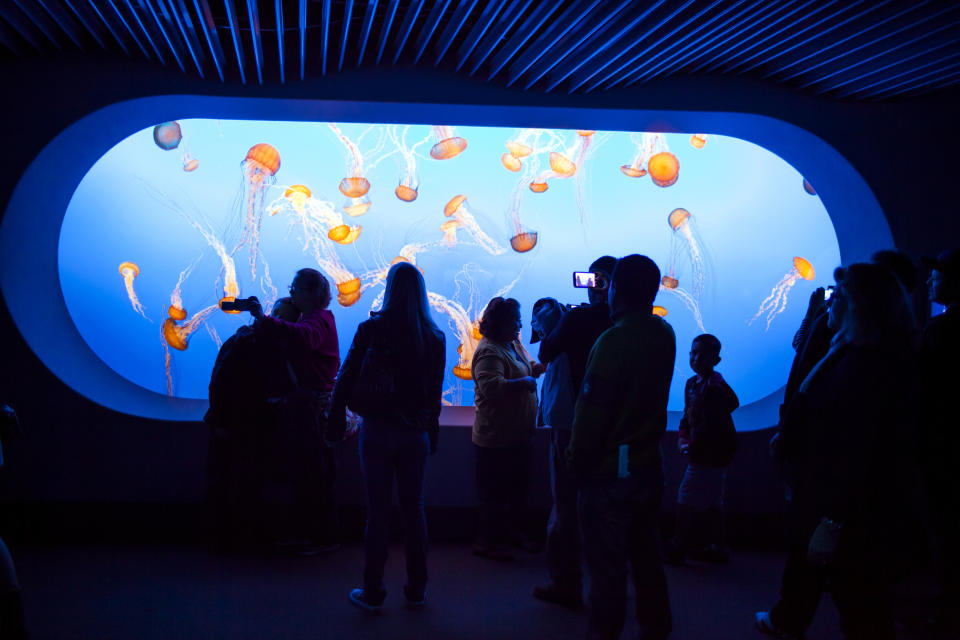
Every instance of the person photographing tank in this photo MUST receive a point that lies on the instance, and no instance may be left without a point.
(312, 354)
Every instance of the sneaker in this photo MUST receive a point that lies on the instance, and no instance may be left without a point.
(764, 624)
(360, 599)
(568, 598)
(416, 598)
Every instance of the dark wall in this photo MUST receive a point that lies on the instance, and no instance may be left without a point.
(75, 450)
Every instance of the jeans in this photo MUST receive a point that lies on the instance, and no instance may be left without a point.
(387, 450)
(563, 528)
(619, 521)
(503, 474)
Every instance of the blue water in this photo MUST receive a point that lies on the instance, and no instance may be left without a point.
(748, 208)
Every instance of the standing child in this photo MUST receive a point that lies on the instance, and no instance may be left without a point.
(709, 439)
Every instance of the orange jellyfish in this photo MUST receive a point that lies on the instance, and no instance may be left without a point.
(176, 310)
(461, 324)
(190, 163)
(406, 193)
(659, 311)
(167, 135)
(562, 165)
(632, 172)
(344, 234)
(354, 187)
(519, 149)
(448, 144)
(648, 146)
(178, 335)
(538, 187)
(129, 271)
(586, 133)
(664, 168)
(698, 140)
(449, 229)
(511, 162)
(776, 302)
(686, 240)
(669, 282)
(457, 209)
(808, 187)
(524, 241)
(259, 168)
(357, 206)
(348, 292)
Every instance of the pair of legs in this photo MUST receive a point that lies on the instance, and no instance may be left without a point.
(233, 490)
(386, 450)
(619, 520)
(563, 528)
(503, 474)
(699, 509)
(857, 580)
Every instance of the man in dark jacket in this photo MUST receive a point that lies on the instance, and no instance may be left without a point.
(614, 450)
(571, 340)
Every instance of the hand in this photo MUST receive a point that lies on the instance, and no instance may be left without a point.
(256, 310)
(817, 302)
(538, 369)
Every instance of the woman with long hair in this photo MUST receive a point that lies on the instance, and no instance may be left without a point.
(506, 399)
(402, 351)
(847, 436)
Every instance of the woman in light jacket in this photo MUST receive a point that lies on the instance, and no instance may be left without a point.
(399, 430)
(506, 399)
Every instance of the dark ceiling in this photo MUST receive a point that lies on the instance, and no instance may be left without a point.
(843, 49)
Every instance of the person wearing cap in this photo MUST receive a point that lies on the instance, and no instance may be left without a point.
(614, 451)
(570, 338)
(939, 442)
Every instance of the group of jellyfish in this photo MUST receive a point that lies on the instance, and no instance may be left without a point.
(322, 225)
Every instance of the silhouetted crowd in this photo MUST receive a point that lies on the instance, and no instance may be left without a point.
(866, 439)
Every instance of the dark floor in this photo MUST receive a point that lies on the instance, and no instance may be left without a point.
(181, 592)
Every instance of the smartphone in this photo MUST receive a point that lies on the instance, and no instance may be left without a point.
(828, 293)
(584, 280)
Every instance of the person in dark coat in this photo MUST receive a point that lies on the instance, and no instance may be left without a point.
(847, 435)
(404, 349)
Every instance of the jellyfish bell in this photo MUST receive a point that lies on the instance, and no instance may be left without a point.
(173, 336)
(357, 207)
(538, 187)
(448, 148)
(348, 299)
(464, 373)
(585, 133)
(264, 157)
(129, 269)
(664, 168)
(632, 171)
(352, 234)
(659, 311)
(451, 207)
(354, 187)
(523, 242)
(677, 217)
(698, 140)
(406, 193)
(804, 268)
(511, 162)
(349, 286)
(669, 282)
(227, 299)
(809, 187)
(177, 313)
(519, 150)
(562, 165)
(475, 330)
(167, 135)
(297, 192)
(190, 164)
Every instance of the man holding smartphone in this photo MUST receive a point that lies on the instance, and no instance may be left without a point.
(572, 336)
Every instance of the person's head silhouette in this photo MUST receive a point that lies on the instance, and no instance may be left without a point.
(633, 285)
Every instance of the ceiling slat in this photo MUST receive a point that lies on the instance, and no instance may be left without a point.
(209, 29)
(324, 35)
(8, 38)
(144, 31)
(910, 74)
(253, 15)
(541, 14)
(490, 12)
(368, 17)
(505, 22)
(278, 14)
(558, 29)
(106, 22)
(302, 27)
(234, 24)
(85, 20)
(430, 26)
(182, 19)
(164, 33)
(39, 20)
(941, 79)
(345, 31)
(19, 24)
(460, 14)
(406, 27)
(385, 28)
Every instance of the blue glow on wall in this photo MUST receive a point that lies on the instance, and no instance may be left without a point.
(749, 214)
